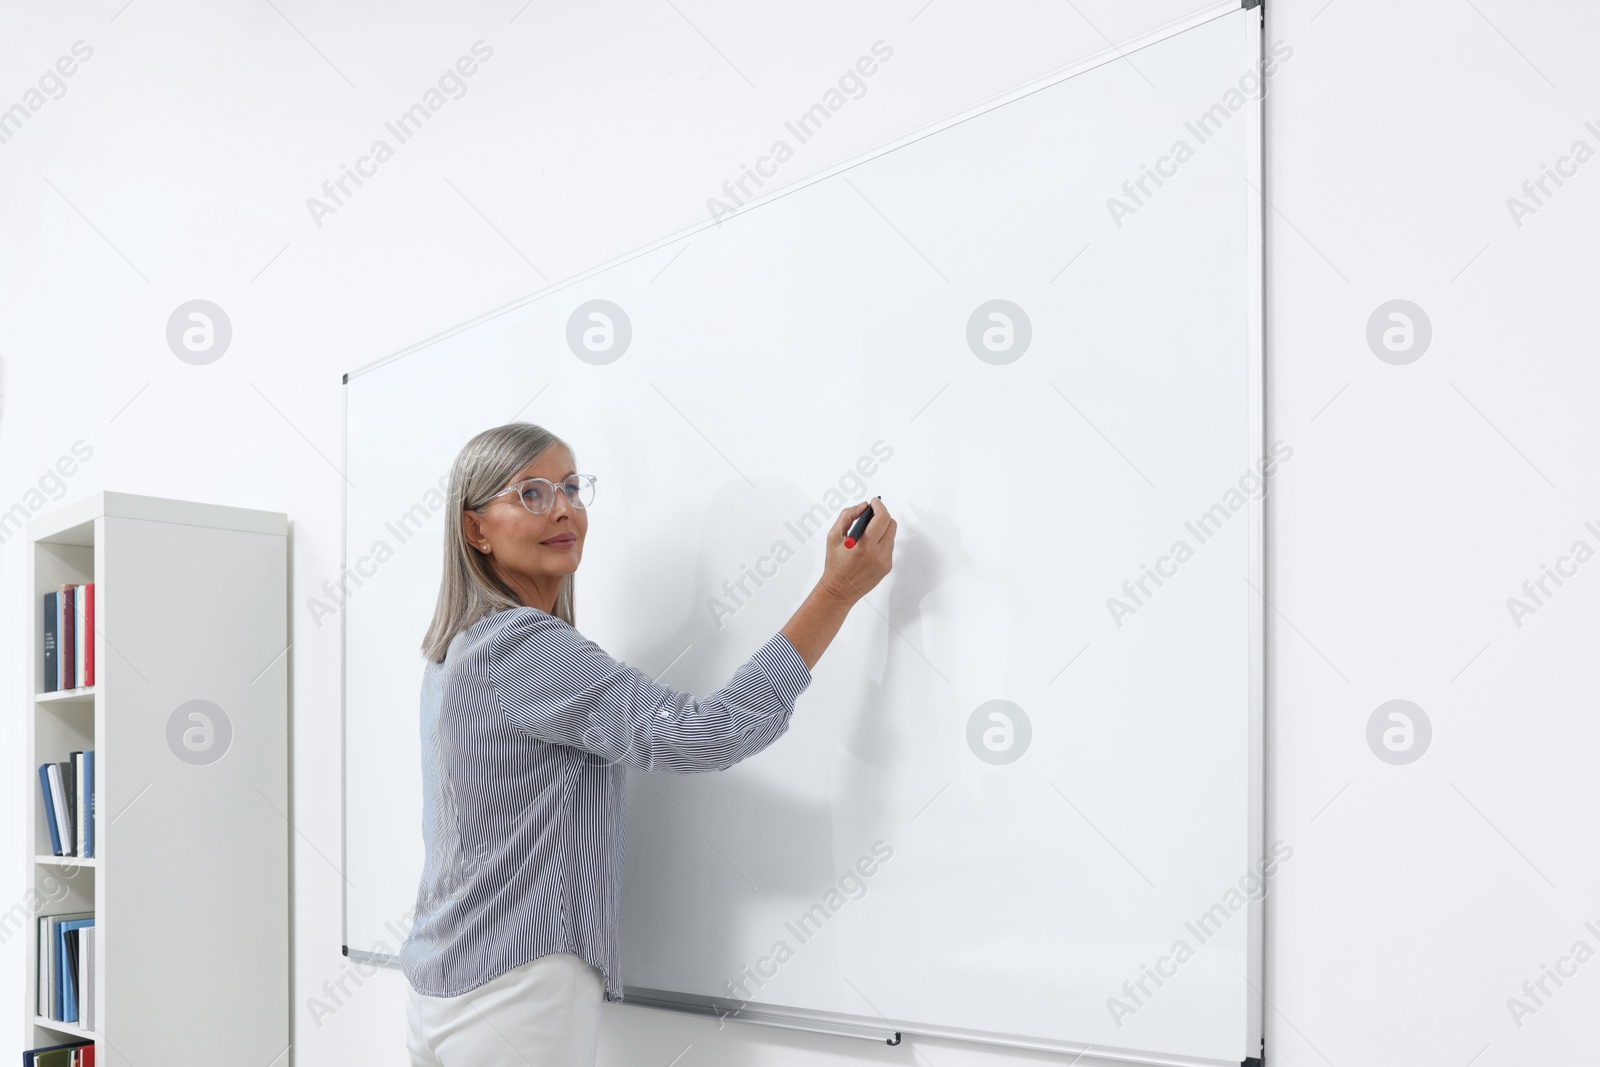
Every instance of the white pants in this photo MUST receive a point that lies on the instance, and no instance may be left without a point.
(545, 1013)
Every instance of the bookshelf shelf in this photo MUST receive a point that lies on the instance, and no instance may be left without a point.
(190, 601)
(65, 1028)
(83, 695)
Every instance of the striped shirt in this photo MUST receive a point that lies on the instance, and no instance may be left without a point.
(526, 728)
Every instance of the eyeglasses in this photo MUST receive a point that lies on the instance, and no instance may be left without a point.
(538, 495)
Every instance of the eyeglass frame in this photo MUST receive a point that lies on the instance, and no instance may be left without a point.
(517, 488)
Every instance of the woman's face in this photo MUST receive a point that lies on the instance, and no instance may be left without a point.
(533, 553)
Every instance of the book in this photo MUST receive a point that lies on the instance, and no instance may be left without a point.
(85, 803)
(69, 789)
(42, 967)
(89, 968)
(78, 660)
(86, 646)
(50, 808)
(52, 619)
(70, 961)
(65, 643)
(82, 803)
(65, 968)
(58, 796)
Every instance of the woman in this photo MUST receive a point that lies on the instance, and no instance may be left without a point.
(526, 728)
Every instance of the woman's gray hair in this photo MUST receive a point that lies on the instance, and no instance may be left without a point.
(469, 588)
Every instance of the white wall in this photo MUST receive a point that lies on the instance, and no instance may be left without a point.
(1417, 503)
(1420, 897)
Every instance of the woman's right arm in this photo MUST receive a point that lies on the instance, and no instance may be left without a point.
(558, 686)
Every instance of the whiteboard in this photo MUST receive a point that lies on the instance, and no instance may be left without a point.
(1030, 762)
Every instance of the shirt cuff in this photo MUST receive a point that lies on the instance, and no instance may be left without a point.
(787, 671)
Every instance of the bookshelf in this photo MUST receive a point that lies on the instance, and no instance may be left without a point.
(189, 881)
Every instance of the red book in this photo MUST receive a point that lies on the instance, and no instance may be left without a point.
(66, 640)
(88, 634)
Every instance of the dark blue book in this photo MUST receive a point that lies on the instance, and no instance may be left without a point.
(52, 621)
(66, 970)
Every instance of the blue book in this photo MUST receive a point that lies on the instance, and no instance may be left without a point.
(66, 984)
(49, 808)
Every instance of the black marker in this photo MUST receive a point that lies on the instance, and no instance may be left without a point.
(857, 528)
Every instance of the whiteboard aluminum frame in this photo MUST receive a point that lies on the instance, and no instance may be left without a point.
(889, 1031)
(1256, 286)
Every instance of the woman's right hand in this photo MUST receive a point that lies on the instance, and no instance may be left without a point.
(851, 573)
